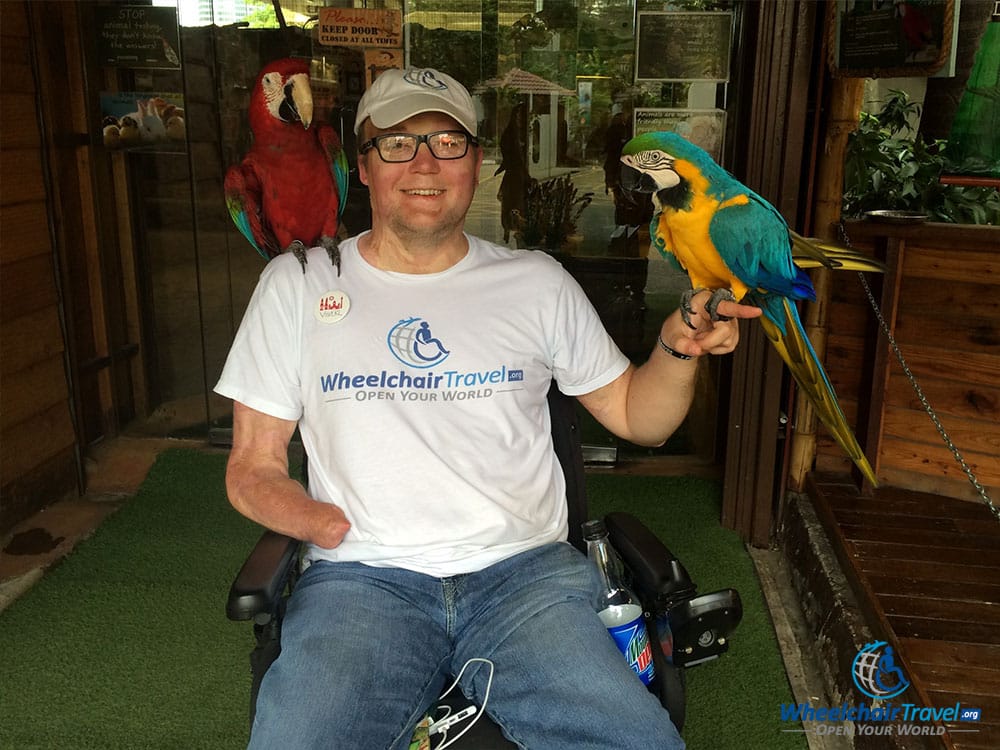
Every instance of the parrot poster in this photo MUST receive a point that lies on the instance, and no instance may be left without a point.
(731, 241)
(288, 192)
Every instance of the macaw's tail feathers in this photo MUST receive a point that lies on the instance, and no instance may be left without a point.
(789, 338)
(808, 252)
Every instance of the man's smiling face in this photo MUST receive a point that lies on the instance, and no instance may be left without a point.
(425, 197)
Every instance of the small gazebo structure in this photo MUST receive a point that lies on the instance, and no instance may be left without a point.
(543, 121)
(523, 82)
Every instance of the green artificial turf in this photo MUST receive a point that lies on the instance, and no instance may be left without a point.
(733, 701)
(125, 644)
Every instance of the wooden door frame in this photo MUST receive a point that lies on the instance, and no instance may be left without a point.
(780, 79)
(92, 228)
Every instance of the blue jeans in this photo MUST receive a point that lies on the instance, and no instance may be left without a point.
(365, 652)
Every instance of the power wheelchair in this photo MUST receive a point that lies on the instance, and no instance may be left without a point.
(689, 627)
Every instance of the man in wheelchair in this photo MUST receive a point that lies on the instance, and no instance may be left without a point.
(436, 519)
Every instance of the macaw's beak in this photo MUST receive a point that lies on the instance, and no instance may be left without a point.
(298, 101)
(637, 181)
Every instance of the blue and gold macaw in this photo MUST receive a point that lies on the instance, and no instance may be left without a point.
(731, 241)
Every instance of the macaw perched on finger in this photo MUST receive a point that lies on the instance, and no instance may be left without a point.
(288, 192)
(730, 240)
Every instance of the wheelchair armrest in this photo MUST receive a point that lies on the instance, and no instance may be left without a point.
(657, 574)
(699, 625)
(262, 579)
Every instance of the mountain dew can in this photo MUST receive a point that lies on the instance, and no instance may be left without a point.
(628, 629)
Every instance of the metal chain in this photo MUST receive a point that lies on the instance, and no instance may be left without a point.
(977, 486)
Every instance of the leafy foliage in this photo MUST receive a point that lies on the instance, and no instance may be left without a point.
(261, 16)
(552, 208)
(888, 166)
(530, 30)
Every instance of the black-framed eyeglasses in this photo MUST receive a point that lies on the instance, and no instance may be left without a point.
(400, 147)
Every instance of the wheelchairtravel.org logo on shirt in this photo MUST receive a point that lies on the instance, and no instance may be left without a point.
(413, 343)
(877, 676)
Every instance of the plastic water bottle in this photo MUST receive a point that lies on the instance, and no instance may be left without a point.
(617, 606)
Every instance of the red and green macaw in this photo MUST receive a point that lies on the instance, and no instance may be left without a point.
(288, 192)
(730, 240)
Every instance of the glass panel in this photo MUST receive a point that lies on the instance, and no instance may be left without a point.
(554, 84)
(141, 114)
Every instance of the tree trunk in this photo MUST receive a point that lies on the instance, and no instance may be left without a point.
(844, 107)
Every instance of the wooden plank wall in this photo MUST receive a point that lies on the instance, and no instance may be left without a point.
(38, 461)
(947, 325)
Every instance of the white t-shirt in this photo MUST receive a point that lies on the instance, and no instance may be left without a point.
(421, 398)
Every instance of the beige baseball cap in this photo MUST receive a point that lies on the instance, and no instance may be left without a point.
(399, 94)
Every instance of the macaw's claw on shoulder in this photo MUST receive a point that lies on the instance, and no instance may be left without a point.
(332, 247)
(298, 249)
(711, 307)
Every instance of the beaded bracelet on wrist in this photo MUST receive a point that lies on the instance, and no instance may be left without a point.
(671, 351)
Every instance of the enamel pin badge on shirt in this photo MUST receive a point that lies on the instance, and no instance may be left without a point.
(332, 307)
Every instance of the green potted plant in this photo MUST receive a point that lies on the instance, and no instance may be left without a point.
(552, 209)
(888, 167)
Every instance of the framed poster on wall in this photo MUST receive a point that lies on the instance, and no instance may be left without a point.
(703, 127)
(886, 39)
(142, 119)
(673, 46)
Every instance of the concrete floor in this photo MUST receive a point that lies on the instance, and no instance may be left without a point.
(118, 467)
(795, 641)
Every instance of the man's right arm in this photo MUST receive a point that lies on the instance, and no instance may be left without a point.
(259, 487)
